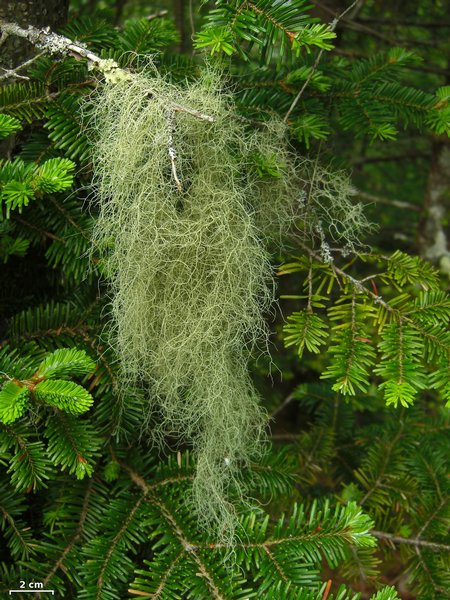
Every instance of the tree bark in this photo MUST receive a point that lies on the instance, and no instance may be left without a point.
(179, 14)
(433, 237)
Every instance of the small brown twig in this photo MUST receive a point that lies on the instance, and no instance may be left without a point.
(156, 15)
(388, 201)
(396, 539)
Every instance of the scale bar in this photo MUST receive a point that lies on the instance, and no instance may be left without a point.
(52, 592)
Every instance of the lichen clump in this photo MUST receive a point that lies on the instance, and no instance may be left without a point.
(185, 216)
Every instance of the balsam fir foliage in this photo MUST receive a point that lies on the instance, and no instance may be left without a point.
(274, 28)
(48, 387)
(24, 181)
(401, 337)
(91, 511)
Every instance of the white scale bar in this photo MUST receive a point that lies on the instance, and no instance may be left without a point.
(52, 592)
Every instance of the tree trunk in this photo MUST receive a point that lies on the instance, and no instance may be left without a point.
(433, 238)
(179, 14)
(40, 13)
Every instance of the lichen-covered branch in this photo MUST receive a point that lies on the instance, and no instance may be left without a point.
(53, 43)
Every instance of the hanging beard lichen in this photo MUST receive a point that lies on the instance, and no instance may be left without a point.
(185, 212)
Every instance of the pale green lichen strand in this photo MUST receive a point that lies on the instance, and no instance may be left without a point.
(191, 279)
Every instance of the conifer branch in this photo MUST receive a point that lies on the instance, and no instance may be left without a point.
(426, 570)
(70, 220)
(443, 499)
(76, 536)
(347, 277)
(387, 455)
(162, 585)
(276, 564)
(267, 544)
(431, 517)
(48, 234)
(188, 547)
(114, 543)
(74, 331)
(18, 533)
(140, 481)
(134, 476)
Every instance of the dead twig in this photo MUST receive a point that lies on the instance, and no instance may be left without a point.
(333, 26)
(8, 73)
